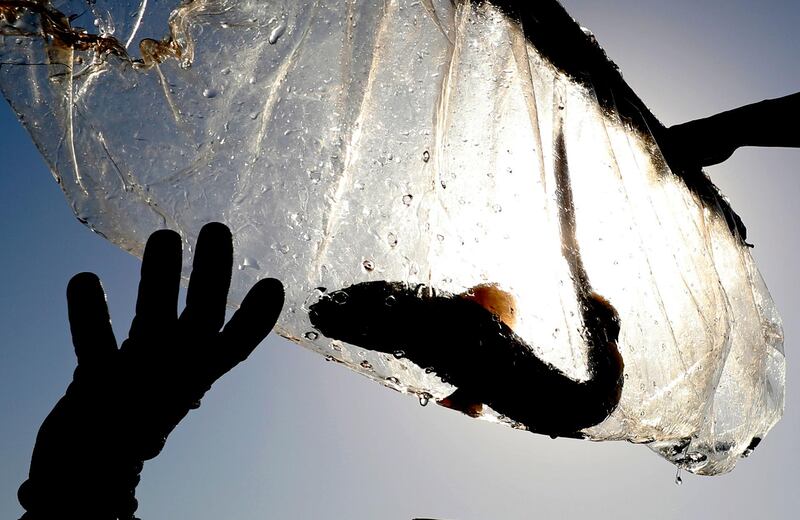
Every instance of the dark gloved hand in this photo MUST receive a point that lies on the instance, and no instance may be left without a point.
(712, 140)
(700, 143)
(123, 402)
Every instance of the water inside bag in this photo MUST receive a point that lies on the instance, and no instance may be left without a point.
(448, 190)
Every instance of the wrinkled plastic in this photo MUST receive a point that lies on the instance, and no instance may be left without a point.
(415, 142)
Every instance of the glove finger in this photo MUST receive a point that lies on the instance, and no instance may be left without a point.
(89, 321)
(210, 280)
(250, 324)
(157, 303)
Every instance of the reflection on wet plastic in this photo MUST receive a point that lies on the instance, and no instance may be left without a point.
(485, 155)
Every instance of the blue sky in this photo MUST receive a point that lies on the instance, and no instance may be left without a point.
(287, 435)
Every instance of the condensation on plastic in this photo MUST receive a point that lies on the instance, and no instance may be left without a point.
(411, 141)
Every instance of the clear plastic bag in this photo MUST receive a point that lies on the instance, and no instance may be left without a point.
(476, 152)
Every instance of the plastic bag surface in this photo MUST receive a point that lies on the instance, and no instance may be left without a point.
(477, 152)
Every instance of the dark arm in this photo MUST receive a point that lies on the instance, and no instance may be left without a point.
(704, 142)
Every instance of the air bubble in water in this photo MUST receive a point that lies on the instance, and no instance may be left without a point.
(424, 291)
(339, 297)
(311, 335)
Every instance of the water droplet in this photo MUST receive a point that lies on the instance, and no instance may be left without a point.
(277, 32)
(390, 300)
(429, 370)
(407, 199)
(398, 354)
(329, 358)
(391, 239)
(424, 398)
(311, 335)
(366, 365)
(426, 156)
(368, 266)
(696, 457)
(393, 380)
(678, 479)
(210, 93)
